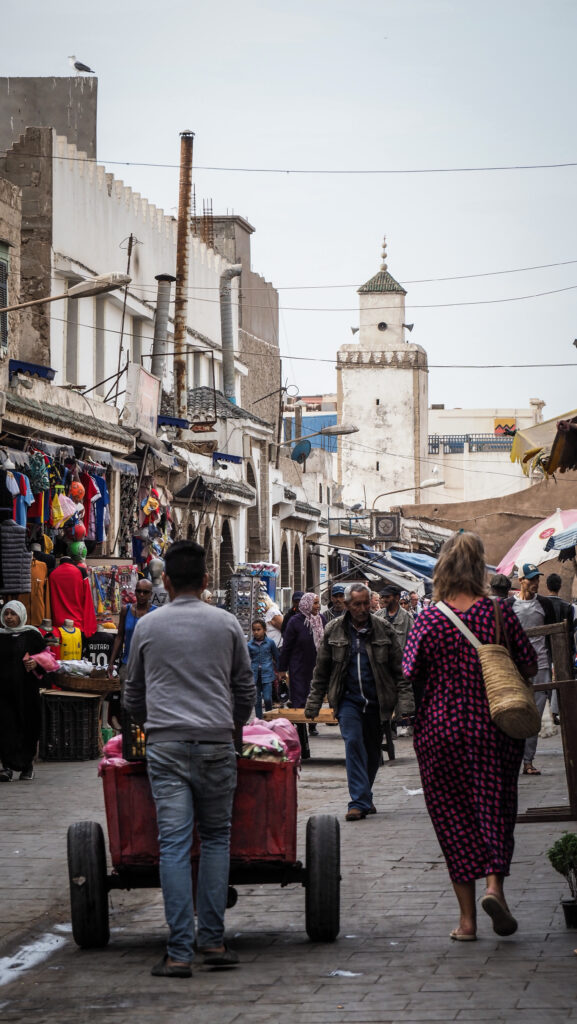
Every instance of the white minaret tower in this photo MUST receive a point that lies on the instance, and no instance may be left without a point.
(382, 388)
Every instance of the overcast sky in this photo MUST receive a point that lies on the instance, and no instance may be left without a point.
(364, 85)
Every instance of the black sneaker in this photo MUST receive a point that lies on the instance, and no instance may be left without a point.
(313, 731)
(27, 775)
(6, 774)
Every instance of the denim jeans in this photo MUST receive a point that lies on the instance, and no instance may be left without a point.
(193, 783)
(362, 732)
(263, 695)
(543, 676)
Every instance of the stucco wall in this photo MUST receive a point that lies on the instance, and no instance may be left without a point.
(66, 104)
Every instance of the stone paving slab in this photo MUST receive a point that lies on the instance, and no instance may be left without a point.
(397, 910)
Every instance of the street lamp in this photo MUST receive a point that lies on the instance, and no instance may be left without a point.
(419, 487)
(336, 430)
(92, 286)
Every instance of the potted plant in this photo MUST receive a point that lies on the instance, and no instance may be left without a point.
(563, 857)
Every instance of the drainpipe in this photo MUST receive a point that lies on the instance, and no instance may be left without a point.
(158, 363)
(181, 292)
(226, 330)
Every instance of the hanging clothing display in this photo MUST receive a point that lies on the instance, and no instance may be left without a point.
(15, 558)
(37, 602)
(71, 597)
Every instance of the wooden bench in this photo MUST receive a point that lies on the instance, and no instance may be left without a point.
(324, 717)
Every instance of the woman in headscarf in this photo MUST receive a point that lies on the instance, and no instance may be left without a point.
(19, 693)
(298, 654)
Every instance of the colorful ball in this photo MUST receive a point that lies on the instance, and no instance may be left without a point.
(76, 490)
(76, 532)
(77, 549)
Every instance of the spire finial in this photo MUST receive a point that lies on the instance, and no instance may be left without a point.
(384, 253)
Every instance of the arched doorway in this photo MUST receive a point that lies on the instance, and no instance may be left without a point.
(226, 555)
(310, 584)
(207, 545)
(284, 566)
(252, 521)
(297, 569)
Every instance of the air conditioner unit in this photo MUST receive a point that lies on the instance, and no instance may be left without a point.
(386, 526)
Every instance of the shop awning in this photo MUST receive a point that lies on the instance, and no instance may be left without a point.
(541, 445)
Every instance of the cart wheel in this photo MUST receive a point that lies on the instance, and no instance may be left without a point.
(231, 897)
(323, 878)
(88, 884)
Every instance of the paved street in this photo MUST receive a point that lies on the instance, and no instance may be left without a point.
(397, 910)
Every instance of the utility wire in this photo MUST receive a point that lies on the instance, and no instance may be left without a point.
(314, 170)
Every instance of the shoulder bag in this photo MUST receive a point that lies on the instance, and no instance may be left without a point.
(511, 701)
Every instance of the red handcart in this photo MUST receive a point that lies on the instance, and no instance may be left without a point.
(263, 847)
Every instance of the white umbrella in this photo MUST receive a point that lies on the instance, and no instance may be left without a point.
(530, 548)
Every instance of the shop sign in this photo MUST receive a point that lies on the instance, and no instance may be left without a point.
(142, 399)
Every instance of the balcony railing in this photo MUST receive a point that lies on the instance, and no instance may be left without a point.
(454, 444)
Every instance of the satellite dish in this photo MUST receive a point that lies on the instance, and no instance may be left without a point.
(301, 452)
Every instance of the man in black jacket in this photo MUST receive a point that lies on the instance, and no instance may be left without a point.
(533, 610)
(359, 668)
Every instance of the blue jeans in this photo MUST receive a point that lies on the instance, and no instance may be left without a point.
(363, 733)
(263, 694)
(193, 783)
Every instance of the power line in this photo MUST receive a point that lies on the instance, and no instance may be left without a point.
(320, 170)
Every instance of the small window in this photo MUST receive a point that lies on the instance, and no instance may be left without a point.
(378, 465)
(328, 495)
(378, 401)
(320, 493)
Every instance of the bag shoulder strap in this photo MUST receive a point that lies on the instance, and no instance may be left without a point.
(450, 614)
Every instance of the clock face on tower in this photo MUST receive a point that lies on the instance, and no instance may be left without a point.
(386, 526)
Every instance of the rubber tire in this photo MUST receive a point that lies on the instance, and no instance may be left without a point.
(323, 878)
(89, 898)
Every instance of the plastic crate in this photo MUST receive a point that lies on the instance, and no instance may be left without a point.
(70, 727)
(133, 739)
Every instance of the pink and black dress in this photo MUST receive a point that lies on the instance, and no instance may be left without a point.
(469, 768)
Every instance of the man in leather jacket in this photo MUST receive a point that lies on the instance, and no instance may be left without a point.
(359, 668)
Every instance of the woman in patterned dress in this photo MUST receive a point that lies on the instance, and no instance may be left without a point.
(469, 768)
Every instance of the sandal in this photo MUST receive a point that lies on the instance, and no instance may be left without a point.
(503, 921)
(529, 769)
(459, 936)
(165, 970)
(226, 957)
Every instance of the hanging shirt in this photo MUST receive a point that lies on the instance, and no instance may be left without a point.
(71, 598)
(100, 509)
(24, 499)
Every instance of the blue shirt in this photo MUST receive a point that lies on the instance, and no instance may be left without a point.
(360, 682)
(263, 658)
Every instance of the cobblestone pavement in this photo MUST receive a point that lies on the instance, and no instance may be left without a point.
(397, 909)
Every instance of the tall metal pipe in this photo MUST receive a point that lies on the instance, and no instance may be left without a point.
(181, 291)
(226, 335)
(158, 362)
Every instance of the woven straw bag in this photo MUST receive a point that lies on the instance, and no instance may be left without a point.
(511, 701)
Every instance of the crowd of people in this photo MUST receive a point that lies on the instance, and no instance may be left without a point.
(374, 658)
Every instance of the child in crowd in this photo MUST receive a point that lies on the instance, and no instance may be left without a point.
(264, 659)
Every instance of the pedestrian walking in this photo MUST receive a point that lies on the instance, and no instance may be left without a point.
(264, 660)
(20, 713)
(500, 585)
(190, 694)
(375, 602)
(400, 619)
(337, 607)
(295, 599)
(358, 668)
(534, 610)
(127, 621)
(469, 768)
(299, 650)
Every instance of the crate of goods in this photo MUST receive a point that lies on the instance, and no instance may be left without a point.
(70, 724)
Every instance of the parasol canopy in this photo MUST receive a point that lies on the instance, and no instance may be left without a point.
(531, 545)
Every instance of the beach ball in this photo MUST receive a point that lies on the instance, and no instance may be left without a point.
(76, 490)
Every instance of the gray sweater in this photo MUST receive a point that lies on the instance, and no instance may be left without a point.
(189, 675)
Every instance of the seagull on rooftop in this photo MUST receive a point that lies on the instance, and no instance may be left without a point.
(79, 66)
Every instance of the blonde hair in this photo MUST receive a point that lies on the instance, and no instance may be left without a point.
(460, 568)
